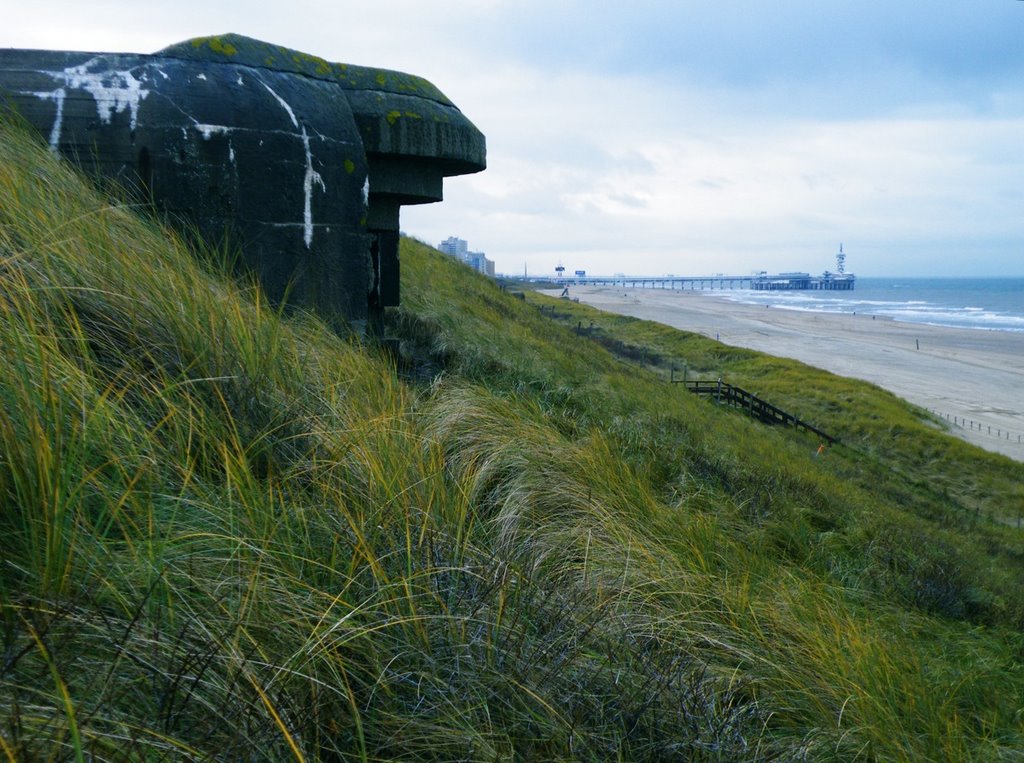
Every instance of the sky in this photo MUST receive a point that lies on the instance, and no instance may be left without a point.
(689, 137)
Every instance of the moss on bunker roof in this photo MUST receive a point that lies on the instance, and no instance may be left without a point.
(246, 51)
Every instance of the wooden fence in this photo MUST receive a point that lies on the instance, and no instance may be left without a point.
(754, 406)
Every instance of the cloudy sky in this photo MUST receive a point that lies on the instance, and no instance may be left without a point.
(676, 136)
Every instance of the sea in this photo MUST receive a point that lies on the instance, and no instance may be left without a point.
(986, 304)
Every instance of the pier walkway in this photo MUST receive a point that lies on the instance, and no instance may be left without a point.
(756, 282)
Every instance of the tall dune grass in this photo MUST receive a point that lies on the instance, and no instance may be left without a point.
(226, 534)
(229, 533)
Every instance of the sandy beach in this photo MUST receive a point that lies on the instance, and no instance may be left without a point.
(971, 375)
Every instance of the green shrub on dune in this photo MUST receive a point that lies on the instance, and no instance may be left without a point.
(228, 533)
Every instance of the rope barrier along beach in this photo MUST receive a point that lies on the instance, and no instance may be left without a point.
(976, 426)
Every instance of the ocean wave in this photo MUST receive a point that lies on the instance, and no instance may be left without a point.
(919, 309)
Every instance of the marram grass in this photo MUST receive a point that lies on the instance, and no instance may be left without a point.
(228, 533)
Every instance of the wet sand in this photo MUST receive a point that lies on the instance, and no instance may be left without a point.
(971, 375)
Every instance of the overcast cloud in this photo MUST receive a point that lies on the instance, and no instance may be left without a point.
(677, 136)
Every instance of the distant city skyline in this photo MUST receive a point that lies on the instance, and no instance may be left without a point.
(678, 137)
(459, 248)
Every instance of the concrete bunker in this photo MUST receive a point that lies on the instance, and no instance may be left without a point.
(303, 163)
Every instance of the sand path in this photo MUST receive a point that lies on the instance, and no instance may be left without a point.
(968, 375)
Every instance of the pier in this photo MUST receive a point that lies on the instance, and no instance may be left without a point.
(757, 282)
(840, 280)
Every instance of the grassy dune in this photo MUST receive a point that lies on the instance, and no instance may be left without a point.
(229, 534)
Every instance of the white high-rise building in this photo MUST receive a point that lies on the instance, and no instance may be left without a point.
(456, 247)
(459, 249)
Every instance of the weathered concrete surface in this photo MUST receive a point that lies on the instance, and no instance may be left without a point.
(303, 162)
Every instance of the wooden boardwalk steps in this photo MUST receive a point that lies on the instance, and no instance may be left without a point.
(762, 410)
(719, 390)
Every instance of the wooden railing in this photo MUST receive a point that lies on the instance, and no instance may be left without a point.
(762, 410)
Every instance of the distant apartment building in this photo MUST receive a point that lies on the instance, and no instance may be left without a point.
(479, 262)
(456, 247)
(459, 249)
